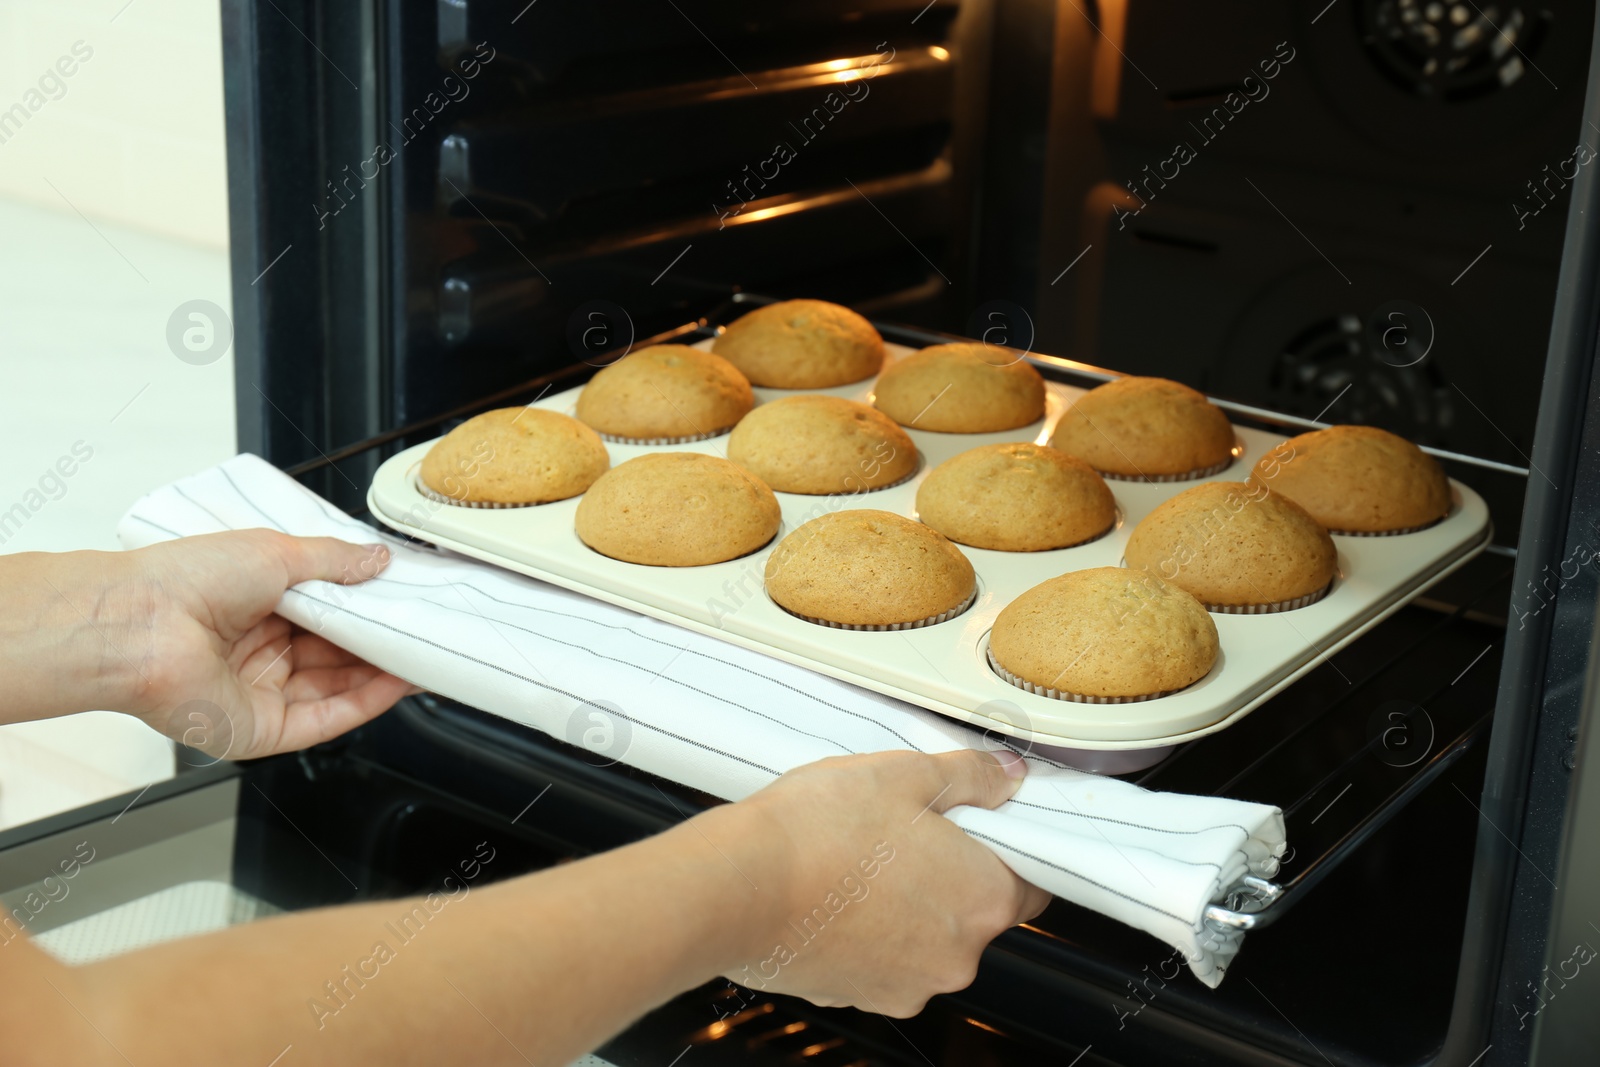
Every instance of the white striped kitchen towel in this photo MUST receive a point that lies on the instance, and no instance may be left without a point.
(721, 718)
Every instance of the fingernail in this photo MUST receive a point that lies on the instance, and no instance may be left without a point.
(1014, 765)
(378, 552)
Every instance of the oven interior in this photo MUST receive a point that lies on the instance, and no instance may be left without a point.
(1352, 214)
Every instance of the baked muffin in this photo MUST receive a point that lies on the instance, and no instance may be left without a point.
(677, 509)
(1016, 497)
(1239, 548)
(802, 344)
(820, 445)
(665, 394)
(1358, 480)
(1146, 429)
(1106, 635)
(869, 570)
(513, 456)
(964, 388)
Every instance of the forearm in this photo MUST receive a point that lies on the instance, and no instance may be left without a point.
(69, 640)
(551, 964)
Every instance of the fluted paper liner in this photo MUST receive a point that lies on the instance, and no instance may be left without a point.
(1389, 533)
(440, 498)
(1062, 694)
(1271, 609)
(689, 439)
(1186, 476)
(943, 616)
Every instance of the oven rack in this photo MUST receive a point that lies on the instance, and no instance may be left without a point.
(1253, 903)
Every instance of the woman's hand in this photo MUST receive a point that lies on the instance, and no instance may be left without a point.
(220, 672)
(182, 635)
(878, 901)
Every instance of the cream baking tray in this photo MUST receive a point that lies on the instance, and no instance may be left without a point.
(943, 667)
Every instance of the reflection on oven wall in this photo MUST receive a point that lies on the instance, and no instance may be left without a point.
(1271, 202)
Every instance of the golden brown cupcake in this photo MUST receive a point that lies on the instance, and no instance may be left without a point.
(963, 388)
(512, 457)
(820, 445)
(677, 509)
(665, 394)
(1105, 635)
(1146, 429)
(869, 570)
(1239, 548)
(1358, 480)
(1016, 497)
(802, 344)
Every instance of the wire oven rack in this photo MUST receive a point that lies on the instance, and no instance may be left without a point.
(1381, 776)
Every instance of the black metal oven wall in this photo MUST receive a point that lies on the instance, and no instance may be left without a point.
(466, 195)
(1238, 195)
(572, 175)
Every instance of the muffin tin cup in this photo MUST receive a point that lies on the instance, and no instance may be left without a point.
(912, 473)
(1187, 476)
(1389, 533)
(440, 498)
(617, 439)
(856, 492)
(1053, 548)
(1270, 609)
(1062, 694)
(932, 620)
(1116, 518)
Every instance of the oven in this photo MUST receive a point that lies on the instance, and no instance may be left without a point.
(1373, 211)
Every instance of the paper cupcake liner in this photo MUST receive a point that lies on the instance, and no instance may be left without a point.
(1389, 533)
(912, 473)
(932, 620)
(440, 498)
(1062, 694)
(1087, 540)
(1187, 476)
(617, 439)
(682, 566)
(1270, 609)
(860, 492)
(1030, 551)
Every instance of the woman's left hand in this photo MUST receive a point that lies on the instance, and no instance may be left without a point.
(219, 672)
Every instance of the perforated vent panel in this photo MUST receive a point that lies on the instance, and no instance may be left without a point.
(1452, 51)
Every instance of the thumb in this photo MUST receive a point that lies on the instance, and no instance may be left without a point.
(978, 779)
(331, 560)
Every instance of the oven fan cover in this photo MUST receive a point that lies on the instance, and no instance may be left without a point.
(1344, 356)
(1452, 51)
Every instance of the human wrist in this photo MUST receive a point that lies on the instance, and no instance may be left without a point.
(71, 643)
(750, 858)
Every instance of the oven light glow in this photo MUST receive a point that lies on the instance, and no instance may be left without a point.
(821, 1046)
(724, 1025)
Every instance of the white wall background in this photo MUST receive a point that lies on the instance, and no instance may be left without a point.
(113, 212)
(136, 135)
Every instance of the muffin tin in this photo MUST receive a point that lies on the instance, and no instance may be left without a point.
(944, 667)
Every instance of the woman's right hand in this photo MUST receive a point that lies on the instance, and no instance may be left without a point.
(879, 902)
